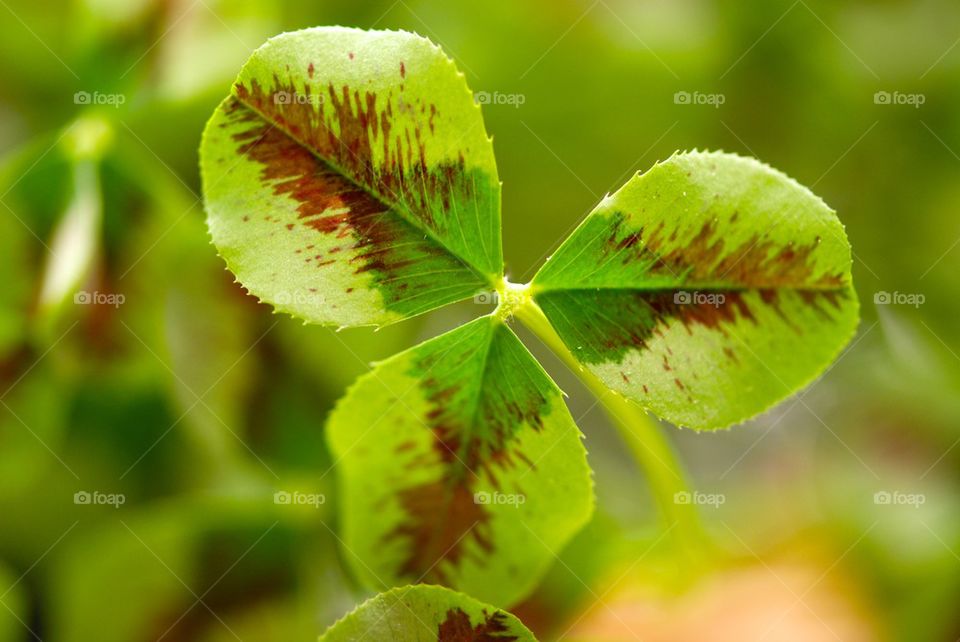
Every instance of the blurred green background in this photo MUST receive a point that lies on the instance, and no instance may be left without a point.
(150, 409)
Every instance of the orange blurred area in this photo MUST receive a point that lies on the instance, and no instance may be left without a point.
(776, 602)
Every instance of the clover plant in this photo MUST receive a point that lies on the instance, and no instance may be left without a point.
(349, 181)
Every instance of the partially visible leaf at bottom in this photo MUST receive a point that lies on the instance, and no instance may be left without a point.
(460, 465)
(417, 613)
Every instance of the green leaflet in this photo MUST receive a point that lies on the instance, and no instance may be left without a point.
(420, 613)
(349, 180)
(459, 464)
(707, 289)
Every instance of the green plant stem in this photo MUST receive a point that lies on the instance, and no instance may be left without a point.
(644, 438)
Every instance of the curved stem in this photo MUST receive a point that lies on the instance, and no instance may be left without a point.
(643, 436)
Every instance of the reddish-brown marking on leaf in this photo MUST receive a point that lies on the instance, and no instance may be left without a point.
(456, 627)
(758, 262)
(816, 299)
(403, 70)
(442, 519)
(629, 319)
(664, 308)
(440, 516)
(293, 171)
(332, 205)
(345, 134)
(310, 70)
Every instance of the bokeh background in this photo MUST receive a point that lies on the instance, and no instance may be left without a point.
(149, 409)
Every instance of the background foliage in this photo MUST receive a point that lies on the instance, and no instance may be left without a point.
(834, 516)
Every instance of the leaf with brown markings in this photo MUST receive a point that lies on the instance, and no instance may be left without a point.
(348, 179)
(459, 464)
(707, 289)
